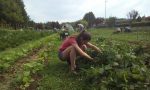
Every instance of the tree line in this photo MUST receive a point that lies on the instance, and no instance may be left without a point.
(13, 14)
(133, 19)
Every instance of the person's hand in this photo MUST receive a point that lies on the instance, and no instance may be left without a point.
(92, 59)
(99, 50)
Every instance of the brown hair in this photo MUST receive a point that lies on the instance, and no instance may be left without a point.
(84, 35)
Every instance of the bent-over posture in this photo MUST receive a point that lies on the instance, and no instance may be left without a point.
(73, 46)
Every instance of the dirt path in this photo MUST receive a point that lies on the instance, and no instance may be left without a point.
(7, 78)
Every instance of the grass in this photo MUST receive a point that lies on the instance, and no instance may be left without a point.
(133, 36)
(56, 74)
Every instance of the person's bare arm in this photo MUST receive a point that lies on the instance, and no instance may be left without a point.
(93, 47)
(81, 52)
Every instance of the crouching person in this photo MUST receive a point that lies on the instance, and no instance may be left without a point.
(74, 46)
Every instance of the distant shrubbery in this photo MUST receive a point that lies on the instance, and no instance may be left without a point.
(11, 39)
(135, 24)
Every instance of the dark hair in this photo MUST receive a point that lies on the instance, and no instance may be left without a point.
(84, 35)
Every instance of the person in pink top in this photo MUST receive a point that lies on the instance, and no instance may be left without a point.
(75, 45)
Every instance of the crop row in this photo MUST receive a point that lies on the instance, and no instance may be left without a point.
(9, 57)
(32, 71)
(12, 39)
(119, 67)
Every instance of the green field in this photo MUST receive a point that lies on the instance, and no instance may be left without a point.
(136, 35)
(121, 66)
(12, 39)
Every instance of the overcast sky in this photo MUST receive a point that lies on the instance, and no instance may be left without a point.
(73, 10)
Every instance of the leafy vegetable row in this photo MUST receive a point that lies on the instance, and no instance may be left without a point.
(9, 57)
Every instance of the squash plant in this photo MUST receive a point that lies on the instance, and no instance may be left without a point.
(117, 68)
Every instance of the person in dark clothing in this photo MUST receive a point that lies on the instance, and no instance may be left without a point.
(65, 33)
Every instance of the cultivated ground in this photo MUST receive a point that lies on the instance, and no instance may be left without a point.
(54, 74)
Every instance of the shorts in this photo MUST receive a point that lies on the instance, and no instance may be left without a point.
(60, 55)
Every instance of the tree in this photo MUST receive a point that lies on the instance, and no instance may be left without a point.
(147, 18)
(84, 22)
(22, 9)
(133, 15)
(99, 21)
(13, 12)
(111, 21)
(31, 23)
(52, 25)
(90, 18)
(139, 19)
(39, 26)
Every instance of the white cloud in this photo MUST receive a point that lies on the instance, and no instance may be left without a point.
(72, 10)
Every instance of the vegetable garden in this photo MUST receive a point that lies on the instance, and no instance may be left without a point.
(34, 65)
